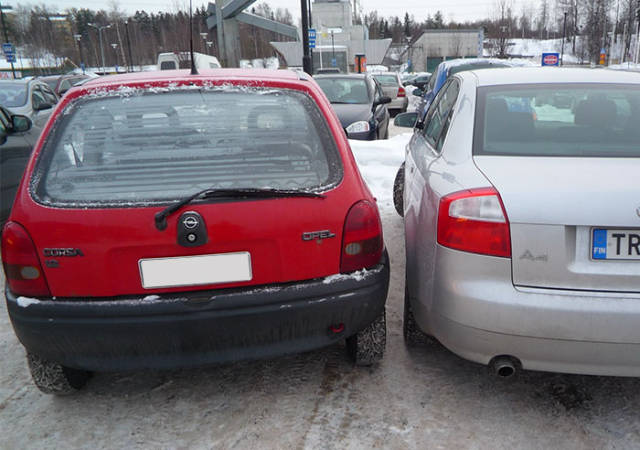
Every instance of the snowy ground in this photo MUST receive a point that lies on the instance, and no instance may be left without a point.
(419, 398)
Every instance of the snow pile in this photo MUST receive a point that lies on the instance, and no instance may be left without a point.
(626, 66)
(260, 63)
(378, 162)
(414, 100)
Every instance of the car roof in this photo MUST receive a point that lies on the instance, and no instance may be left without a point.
(528, 75)
(176, 75)
(359, 76)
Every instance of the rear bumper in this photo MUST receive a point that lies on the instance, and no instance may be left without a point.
(477, 313)
(400, 103)
(190, 329)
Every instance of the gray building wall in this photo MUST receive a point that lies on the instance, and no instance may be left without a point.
(434, 46)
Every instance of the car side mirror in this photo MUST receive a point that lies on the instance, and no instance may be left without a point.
(20, 123)
(406, 120)
(417, 92)
(381, 101)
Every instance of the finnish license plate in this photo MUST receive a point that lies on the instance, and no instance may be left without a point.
(608, 243)
(195, 270)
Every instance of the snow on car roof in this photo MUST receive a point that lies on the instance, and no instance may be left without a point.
(172, 75)
(526, 75)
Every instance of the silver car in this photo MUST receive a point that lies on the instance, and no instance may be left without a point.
(32, 98)
(392, 87)
(522, 220)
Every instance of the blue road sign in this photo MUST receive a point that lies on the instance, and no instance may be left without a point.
(11, 57)
(312, 44)
(312, 33)
(7, 47)
(551, 59)
(334, 63)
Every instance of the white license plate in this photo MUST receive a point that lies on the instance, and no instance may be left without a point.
(195, 270)
(607, 243)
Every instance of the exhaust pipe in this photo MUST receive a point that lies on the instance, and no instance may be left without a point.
(505, 366)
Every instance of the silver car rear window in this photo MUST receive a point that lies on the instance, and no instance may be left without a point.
(157, 145)
(579, 120)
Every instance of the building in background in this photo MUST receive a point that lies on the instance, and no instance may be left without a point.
(435, 46)
(338, 39)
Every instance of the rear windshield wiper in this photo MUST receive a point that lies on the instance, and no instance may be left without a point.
(161, 217)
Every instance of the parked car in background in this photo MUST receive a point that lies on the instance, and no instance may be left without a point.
(182, 60)
(62, 83)
(17, 138)
(32, 98)
(392, 88)
(232, 221)
(327, 70)
(360, 104)
(419, 81)
(522, 225)
(447, 68)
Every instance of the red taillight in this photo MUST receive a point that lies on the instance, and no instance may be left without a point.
(362, 238)
(474, 221)
(21, 264)
(401, 92)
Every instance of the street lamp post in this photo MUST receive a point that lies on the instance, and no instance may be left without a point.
(114, 46)
(100, 28)
(77, 37)
(203, 35)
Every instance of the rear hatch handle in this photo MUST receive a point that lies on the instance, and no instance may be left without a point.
(161, 216)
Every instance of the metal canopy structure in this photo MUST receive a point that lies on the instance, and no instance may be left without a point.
(225, 16)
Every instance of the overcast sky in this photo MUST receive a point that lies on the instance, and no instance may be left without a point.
(459, 10)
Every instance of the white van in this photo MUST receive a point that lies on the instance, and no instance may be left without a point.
(182, 60)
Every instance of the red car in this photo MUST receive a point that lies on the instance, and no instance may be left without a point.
(167, 220)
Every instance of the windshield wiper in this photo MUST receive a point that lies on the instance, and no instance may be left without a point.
(161, 217)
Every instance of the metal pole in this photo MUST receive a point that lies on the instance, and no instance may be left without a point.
(306, 55)
(6, 37)
(78, 37)
(333, 49)
(126, 30)
(311, 26)
(637, 44)
(564, 31)
(101, 49)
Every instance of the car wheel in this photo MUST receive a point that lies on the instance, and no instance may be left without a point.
(367, 346)
(412, 334)
(398, 191)
(52, 378)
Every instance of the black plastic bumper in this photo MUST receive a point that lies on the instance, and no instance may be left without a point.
(189, 329)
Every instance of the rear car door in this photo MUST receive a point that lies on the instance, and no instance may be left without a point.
(115, 161)
(425, 179)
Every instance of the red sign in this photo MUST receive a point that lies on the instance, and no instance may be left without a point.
(550, 60)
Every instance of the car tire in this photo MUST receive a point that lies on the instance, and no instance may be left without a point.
(413, 336)
(398, 191)
(367, 346)
(53, 378)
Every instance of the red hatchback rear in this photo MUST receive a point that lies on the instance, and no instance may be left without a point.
(170, 220)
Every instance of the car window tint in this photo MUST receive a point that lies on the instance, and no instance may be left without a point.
(13, 94)
(166, 145)
(387, 80)
(439, 115)
(558, 120)
(345, 90)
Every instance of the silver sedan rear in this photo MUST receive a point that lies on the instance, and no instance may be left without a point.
(392, 88)
(522, 220)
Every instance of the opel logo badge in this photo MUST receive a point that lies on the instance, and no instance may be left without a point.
(190, 222)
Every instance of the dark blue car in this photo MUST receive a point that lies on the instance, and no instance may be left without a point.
(447, 68)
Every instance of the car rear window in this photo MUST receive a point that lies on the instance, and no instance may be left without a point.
(597, 120)
(345, 90)
(13, 95)
(387, 80)
(156, 145)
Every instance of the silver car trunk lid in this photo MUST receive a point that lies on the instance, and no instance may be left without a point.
(554, 204)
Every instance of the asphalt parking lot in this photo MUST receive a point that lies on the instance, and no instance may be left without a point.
(424, 397)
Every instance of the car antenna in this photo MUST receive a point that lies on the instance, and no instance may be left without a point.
(194, 71)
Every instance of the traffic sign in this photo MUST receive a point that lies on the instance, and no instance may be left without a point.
(312, 44)
(312, 33)
(10, 57)
(550, 59)
(7, 47)
(334, 63)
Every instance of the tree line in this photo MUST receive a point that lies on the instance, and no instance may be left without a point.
(72, 35)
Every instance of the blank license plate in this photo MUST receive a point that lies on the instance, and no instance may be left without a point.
(195, 270)
(615, 244)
